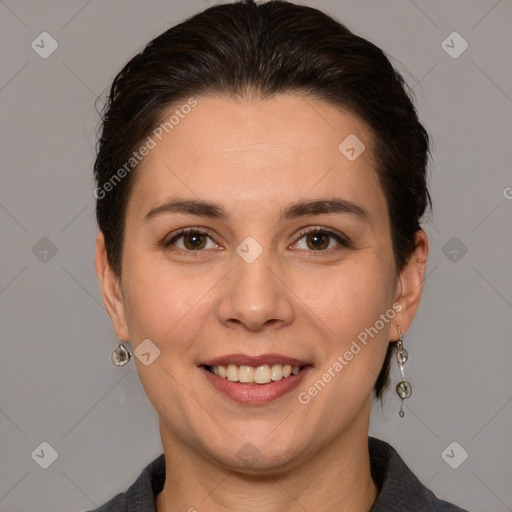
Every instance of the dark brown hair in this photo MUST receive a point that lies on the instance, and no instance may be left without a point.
(245, 50)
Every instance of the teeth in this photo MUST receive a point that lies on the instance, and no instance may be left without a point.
(277, 371)
(255, 375)
(245, 374)
(262, 374)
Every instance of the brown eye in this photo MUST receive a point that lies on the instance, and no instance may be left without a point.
(321, 240)
(318, 240)
(191, 240)
(194, 241)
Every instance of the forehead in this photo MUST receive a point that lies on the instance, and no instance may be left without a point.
(249, 154)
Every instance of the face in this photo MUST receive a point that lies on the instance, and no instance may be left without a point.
(286, 259)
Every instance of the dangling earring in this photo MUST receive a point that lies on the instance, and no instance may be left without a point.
(121, 355)
(403, 388)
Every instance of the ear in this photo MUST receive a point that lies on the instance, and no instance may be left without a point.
(410, 285)
(110, 285)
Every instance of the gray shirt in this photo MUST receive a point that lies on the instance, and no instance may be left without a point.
(399, 489)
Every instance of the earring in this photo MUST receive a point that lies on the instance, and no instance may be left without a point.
(403, 388)
(121, 355)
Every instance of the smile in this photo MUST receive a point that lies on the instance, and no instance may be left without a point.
(254, 380)
(254, 375)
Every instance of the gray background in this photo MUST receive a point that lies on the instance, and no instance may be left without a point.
(57, 383)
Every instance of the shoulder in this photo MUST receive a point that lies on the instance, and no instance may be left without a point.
(400, 489)
(140, 496)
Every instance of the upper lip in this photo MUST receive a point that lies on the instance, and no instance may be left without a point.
(246, 360)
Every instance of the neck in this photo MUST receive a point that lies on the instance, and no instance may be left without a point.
(338, 477)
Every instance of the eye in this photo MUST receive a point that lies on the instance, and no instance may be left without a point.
(319, 239)
(312, 239)
(191, 239)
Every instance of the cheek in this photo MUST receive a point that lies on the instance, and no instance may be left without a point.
(158, 301)
(356, 313)
(354, 304)
(350, 297)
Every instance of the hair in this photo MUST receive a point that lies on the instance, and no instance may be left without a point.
(261, 50)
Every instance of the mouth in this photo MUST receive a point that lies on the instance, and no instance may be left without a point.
(255, 380)
(262, 374)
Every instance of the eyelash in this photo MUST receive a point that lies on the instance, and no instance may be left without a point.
(342, 240)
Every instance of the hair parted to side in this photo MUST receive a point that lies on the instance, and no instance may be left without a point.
(248, 50)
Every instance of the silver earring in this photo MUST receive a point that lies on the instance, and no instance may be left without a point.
(403, 388)
(121, 355)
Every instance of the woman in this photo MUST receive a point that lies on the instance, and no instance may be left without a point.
(261, 178)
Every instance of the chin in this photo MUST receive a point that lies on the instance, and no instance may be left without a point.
(258, 456)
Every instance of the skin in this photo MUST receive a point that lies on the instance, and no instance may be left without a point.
(253, 159)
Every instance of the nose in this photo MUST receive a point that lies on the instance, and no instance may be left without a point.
(255, 296)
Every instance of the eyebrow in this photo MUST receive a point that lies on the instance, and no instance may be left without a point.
(299, 209)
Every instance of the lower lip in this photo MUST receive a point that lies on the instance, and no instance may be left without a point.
(255, 394)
